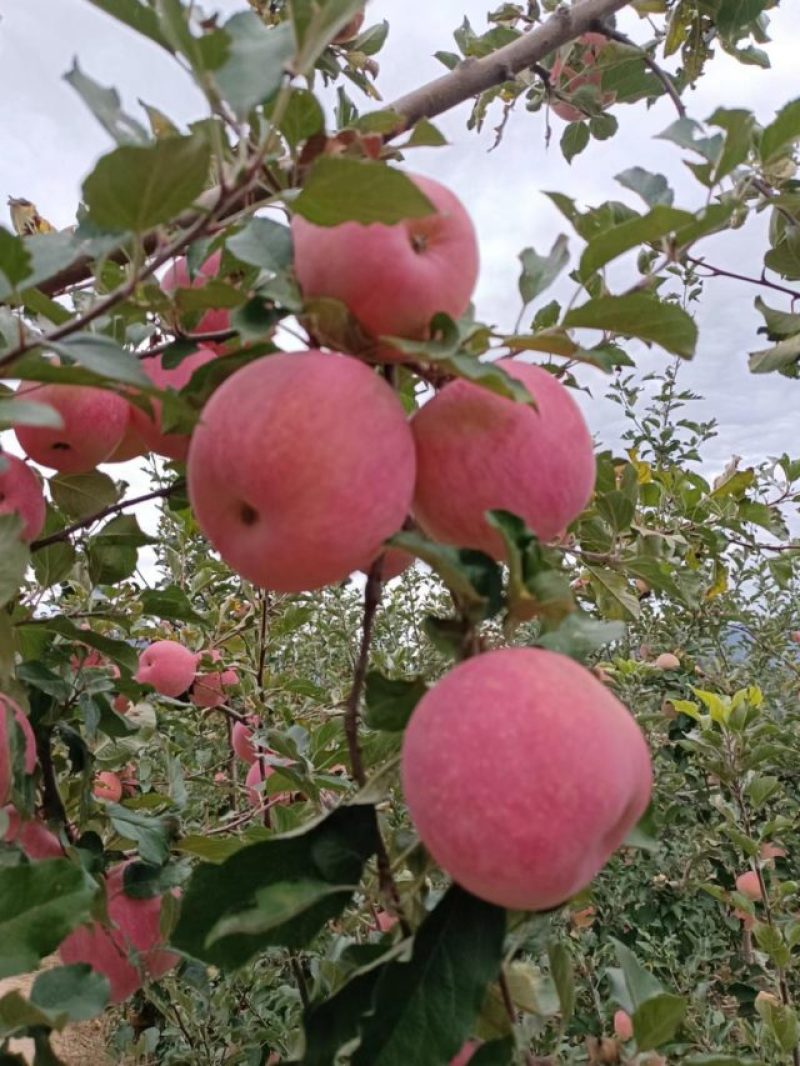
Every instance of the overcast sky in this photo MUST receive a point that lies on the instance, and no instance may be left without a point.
(51, 141)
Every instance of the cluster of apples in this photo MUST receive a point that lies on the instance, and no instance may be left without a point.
(576, 66)
(172, 670)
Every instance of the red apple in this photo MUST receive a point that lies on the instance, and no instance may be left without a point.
(395, 562)
(168, 667)
(498, 783)
(477, 451)
(667, 661)
(215, 320)
(107, 787)
(575, 66)
(11, 714)
(351, 30)
(394, 279)
(94, 421)
(465, 1054)
(749, 885)
(623, 1025)
(210, 689)
(300, 468)
(33, 838)
(242, 743)
(172, 445)
(21, 494)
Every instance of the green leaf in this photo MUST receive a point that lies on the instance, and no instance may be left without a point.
(14, 557)
(641, 986)
(14, 412)
(713, 1059)
(152, 834)
(579, 635)
(205, 52)
(614, 242)
(106, 107)
(391, 702)
(781, 355)
(135, 14)
(563, 974)
(781, 133)
(425, 1009)
(256, 63)
(781, 1021)
(15, 259)
(733, 15)
(119, 651)
(641, 316)
(79, 495)
(685, 133)
(275, 906)
(103, 356)
(654, 189)
(778, 323)
(339, 190)
(265, 244)
(302, 118)
(475, 578)
(539, 272)
(40, 904)
(137, 188)
(171, 603)
(739, 126)
(574, 139)
(656, 1021)
(333, 851)
(426, 135)
(315, 25)
(77, 993)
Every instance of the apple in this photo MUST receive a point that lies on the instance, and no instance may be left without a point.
(395, 562)
(795, 637)
(465, 1054)
(215, 320)
(623, 1025)
(477, 451)
(393, 279)
(301, 467)
(210, 689)
(94, 421)
(498, 784)
(747, 920)
(667, 661)
(132, 444)
(33, 838)
(21, 494)
(242, 743)
(10, 713)
(385, 922)
(130, 950)
(121, 704)
(575, 66)
(258, 773)
(749, 885)
(107, 787)
(168, 667)
(351, 30)
(769, 852)
(171, 445)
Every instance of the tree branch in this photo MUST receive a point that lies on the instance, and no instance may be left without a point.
(372, 599)
(669, 86)
(114, 508)
(715, 271)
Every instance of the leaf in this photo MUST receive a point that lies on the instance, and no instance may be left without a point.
(171, 603)
(79, 495)
(265, 244)
(277, 905)
(574, 139)
(614, 242)
(734, 15)
(391, 702)
(424, 1010)
(135, 14)
(136, 188)
(684, 132)
(579, 635)
(315, 25)
(339, 190)
(781, 133)
(152, 834)
(333, 851)
(106, 107)
(783, 354)
(640, 984)
(40, 904)
(302, 118)
(14, 557)
(539, 272)
(713, 1059)
(77, 993)
(14, 412)
(654, 189)
(15, 259)
(739, 126)
(256, 63)
(119, 651)
(103, 356)
(656, 1021)
(777, 323)
(563, 975)
(474, 577)
(641, 316)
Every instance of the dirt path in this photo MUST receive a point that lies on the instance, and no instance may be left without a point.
(78, 1045)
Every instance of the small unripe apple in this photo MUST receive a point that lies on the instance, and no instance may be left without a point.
(130, 950)
(94, 421)
(107, 787)
(168, 667)
(667, 661)
(33, 838)
(623, 1025)
(10, 713)
(477, 451)
(395, 278)
(171, 445)
(497, 781)
(351, 30)
(300, 468)
(216, 319)
(576, 68)
(749, 885)
(21, 494)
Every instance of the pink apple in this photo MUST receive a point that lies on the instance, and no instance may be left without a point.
(259, 772)
(94, 421)
(121, 704)
(168, 667)
(393, 279)
(749, 885)
(623, 1025)
(523, 774)
(575, 67)
(11, 714)
(130, 950)
(242, 743)
(172, 445)
(667, 661)
(107, 787)
(215, 320)
(132, 444)
(210, 689)
(395, 562)
(33, 838)
(477, 451)
(466, 1053)
(21, 494)
(300, 468)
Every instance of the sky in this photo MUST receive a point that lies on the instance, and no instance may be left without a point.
(51, 142)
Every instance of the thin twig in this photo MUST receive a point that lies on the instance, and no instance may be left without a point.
(372, 599)
(300, 977)
(669, 86)
(715, 271)
(114, 508)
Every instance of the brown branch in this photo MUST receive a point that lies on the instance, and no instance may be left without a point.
(114, 508)
(372, 599)
(715, 271)
(669, 86)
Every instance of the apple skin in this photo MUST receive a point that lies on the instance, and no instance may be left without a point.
(259, 772)
(94, 422)
(394, 279)
(465, 1054)
(749, 885)
(667, 661)
(33, 838)
(500, 783)
(107, 787)
(623, 1025)
(131, 950)
(301, 467)
(477, 451)
(171, 445)
(168, 667)
(210, 689)
(132, 444)
(585, 50)
(21, 493)
(242, 743)
(9, 708)
(395, 563)
(351, 30)
(215, 320)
